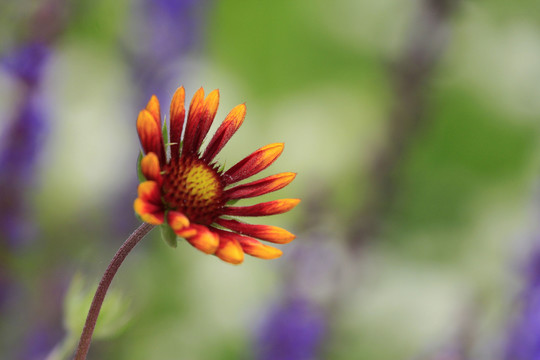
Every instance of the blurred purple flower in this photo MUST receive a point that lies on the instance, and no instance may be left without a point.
(524, 338)
(21, 143)
(26, 62)
(40, 342)
(292, 331)
(5, 286)
(166, 32)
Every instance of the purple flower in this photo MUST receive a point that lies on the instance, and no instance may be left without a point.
(165, 31)
(292, 331)
(40, 342)
(20, 146)
(26, 62)
(524, 339)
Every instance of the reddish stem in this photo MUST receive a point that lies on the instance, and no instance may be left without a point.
(125, 249)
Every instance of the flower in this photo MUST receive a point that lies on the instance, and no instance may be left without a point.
(523, 341)
(22, 142)
(27, 62)
(293, 330)
(188, 193)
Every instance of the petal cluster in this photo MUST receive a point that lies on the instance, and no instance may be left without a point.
(186, 190)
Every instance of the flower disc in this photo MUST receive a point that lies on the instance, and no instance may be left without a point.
(193, 188)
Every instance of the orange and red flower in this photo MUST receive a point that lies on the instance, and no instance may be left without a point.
(187, 191)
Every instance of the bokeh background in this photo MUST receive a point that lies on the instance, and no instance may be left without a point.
(414, 129)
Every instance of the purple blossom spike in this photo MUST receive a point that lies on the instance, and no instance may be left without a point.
(292, 331)
(26, 62)
(165, 33)
(524, 339)
(21, 143)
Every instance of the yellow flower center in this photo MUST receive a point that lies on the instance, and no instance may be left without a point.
(193, 188)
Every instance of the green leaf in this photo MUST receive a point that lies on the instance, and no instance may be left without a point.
(113, 317)
(168, 235)
(140, 175)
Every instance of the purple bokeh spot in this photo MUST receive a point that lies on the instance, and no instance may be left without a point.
(172, 7)
(524, 338)
(21, 143)
(40, 342)
(26, 62)
(292, 331)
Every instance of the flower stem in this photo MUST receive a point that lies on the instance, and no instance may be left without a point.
(95, 307)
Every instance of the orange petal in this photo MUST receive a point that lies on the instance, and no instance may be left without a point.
(207, 117)
(177, 221)
(153, 108)
(229, 249)
(186, 232)
(262, 209)
(225, 131)
(204, 240)
(150, 213)
(176, 121)
(150, 135)
(264, 232)
(149, 191)
(255, 248)
(150, 167)
(254, 163)
(260, 187)
(194, 117)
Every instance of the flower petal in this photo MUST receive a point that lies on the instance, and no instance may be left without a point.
(150, 213)
(225, 131)
(186, 232)
(260, 187)
(193, 121)
(254, 163)
(177, 221)
(149, 192)
(264, 232)
(176, 121)
(150, 167)
(207, 117)
(229, 249)
(204, 239)
(153, 108)
(256, 248)
(150, 135)
(262, 209)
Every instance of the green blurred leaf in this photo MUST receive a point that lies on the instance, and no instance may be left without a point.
(113, 317)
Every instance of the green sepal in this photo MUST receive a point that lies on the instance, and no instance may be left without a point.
(140, 175)
(222, 168)
(164, 132)
(168, 235)
(232, 202)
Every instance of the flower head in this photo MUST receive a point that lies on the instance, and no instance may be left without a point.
(188, 192)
